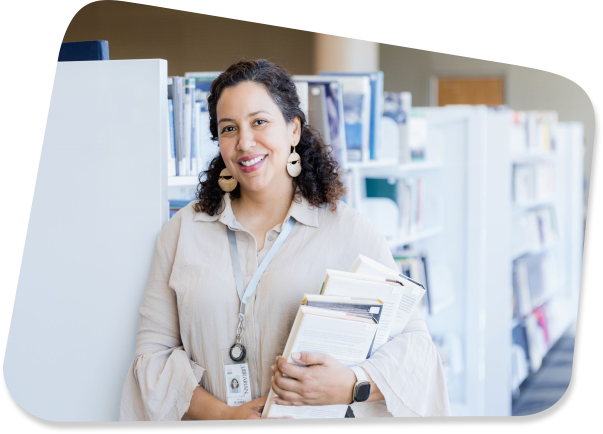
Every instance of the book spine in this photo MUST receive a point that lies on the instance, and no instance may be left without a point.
(178, 109)
(187, 128)
(172, 141)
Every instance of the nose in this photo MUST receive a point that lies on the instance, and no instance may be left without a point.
(246, 139)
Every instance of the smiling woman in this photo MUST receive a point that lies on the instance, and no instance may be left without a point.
(268, 207)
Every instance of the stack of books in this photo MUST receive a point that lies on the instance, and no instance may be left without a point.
(355, 313)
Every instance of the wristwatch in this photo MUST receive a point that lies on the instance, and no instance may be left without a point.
(362, 388)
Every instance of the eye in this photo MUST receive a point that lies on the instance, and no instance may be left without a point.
(227, 129)
(259, 122)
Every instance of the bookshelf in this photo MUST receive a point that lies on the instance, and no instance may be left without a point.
(449, 238)
(543, 181)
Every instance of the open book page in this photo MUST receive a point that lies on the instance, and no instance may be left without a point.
(389, 294)
(348, 341)
(411, 292)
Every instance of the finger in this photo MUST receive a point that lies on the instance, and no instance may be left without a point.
(285, 394)
(284, 402)
(306, 358)
(289, 369)
(287, 383)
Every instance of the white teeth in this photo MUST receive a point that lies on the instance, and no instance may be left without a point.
(252, 162)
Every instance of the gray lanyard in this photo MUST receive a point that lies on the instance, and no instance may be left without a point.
(237, 352)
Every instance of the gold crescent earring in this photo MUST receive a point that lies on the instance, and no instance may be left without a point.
(294, 164)
(227, 182)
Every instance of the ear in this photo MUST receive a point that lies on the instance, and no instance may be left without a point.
(295, 128)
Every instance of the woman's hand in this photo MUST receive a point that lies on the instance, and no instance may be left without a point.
(325, 381)
(250, 410)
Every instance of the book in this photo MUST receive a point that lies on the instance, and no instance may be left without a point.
(341, 335)
(303, 94)
(375, 107)
(413, 264)
(83, 51)
(207, 148)
(171, 133)
(177, 92)
(317, 111)
(397, 107)
(388, 290)
(356, 97)
(417, 135)
(411, 292)
(333, 92)
(189, 87)
(365, 307)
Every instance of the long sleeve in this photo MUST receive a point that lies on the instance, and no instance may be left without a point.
(407, 369)
(161, 380)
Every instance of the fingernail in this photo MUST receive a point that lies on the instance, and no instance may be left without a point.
(296, 355)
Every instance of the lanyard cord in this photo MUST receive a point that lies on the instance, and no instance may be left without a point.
(246, 293)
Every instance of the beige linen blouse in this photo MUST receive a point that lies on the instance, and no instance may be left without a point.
(189, 313)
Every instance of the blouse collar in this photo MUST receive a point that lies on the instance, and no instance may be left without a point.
(301, 211)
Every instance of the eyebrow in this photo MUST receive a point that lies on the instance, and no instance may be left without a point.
(249, 115)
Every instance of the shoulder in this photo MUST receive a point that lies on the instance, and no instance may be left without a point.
(181, 221)
(344, 219)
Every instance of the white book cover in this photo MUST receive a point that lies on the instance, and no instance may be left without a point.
(187, 128)
(344, 337)
(302, 93)
(411, 293)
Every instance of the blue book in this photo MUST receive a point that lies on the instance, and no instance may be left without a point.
(85, 50)
(376, 79)
(206, 148)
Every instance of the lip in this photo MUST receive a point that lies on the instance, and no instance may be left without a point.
(250, 157)
(256, 166)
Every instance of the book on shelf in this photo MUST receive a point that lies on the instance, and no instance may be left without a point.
(520, 355)
(84, 51)
(534, 230)
(207, 148)
(303, 93)
(341, 335)
(394, 126)
(533, 182)
(411, 294)
(408, 194)
(171, 134)
(417, 135)
(375, 109)
(189, 114)
(533, 132)
(355, 102)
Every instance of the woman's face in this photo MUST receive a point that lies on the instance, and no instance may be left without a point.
(235, 384)
(255, 139)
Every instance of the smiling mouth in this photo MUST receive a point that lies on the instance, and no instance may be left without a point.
(252, 162)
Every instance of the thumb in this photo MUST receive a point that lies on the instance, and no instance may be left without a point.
(306, 358)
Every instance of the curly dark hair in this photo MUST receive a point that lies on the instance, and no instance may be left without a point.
(320, 179)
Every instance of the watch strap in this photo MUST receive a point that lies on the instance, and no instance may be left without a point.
(360, 375)
(361, 380)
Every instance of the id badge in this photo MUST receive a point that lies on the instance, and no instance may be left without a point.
(239, 378)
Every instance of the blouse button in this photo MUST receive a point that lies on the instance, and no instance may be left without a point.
(271, 238)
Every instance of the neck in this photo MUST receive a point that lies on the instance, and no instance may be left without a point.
(268, 207)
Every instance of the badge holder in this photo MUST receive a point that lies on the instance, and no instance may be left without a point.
(240, 378)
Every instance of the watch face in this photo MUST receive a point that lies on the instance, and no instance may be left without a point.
(363, 391)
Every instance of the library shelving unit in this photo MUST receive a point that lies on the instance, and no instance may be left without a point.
(452, 174)
(539, 164)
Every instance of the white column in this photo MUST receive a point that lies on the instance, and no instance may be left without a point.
(334, 53)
